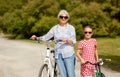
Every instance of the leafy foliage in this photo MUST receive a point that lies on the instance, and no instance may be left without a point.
(22, 18)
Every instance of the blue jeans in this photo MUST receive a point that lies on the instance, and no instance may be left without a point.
(66, 66)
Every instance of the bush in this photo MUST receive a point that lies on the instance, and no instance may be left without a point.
(43, 25)
(37, 17)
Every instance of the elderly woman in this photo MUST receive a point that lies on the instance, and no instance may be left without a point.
(64, 50)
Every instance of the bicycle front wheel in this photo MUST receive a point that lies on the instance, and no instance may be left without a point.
(56, 71)
(44, 72)
(102, 75)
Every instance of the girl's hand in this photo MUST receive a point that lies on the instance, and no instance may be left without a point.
(82, 61)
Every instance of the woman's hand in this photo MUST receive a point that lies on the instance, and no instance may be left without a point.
(67, 41)
(64, 40)
(33, 37)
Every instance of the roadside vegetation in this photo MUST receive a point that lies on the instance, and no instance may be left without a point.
(22, 18)
(110, 48)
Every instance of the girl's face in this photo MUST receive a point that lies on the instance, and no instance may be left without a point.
(63, 18)
(88, 33)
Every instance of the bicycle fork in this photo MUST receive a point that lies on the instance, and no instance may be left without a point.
(49, 63)
(50, 72)
(98, 71)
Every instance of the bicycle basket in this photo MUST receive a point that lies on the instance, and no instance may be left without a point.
(99, 74)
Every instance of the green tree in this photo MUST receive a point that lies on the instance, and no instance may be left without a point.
(22, 18)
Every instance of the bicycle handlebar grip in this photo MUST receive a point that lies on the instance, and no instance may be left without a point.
(58, 40)
(108, 60)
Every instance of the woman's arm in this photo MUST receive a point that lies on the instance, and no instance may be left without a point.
(44, 37)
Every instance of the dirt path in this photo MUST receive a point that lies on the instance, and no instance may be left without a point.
(21, 59)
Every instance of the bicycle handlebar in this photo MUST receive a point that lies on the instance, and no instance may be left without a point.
(99, 62)
(39, 39)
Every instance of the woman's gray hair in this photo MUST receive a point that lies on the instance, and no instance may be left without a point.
(63, 12)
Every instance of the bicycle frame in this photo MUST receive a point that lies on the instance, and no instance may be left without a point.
(49, 62)
(98, 70)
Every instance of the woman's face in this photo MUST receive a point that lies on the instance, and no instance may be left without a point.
(88, 33)
(63, 19)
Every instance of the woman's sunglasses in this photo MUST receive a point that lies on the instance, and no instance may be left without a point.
(88, 32)
(65, 17)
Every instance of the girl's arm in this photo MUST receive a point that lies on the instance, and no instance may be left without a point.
(96, 55)
(79, 57)
(96, 52)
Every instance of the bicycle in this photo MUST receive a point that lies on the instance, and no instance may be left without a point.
(49, 67)
(98, 67)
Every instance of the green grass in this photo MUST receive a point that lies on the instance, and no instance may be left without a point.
(109, 48)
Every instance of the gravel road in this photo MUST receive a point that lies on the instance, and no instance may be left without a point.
(23, 59)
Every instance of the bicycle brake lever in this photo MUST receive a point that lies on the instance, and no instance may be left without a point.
(56, 41)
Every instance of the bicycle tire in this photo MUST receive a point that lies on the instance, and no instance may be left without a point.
(102, 75)
(44, 71)
(56, 71)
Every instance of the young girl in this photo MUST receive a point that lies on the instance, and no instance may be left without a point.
(88, 46)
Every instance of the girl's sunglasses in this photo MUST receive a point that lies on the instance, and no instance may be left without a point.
(65, 17)
(88, 32)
